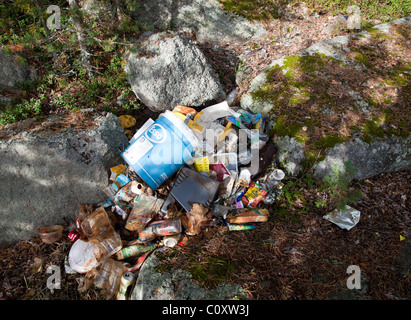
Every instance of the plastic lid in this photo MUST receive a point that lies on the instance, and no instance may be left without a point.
(170, 241)
(278, 174)
(187, 132)
(83, 256)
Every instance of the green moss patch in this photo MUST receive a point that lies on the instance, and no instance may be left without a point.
(254, 10)
(207, 270)
(382, 10)
(322, 101)
(211, 271)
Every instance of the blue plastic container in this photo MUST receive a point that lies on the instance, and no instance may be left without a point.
(161, 150)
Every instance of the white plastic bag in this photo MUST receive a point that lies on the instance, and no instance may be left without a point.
(345, 219)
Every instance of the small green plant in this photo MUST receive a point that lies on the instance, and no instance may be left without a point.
(321, 203)
(370, 10)
(338, 185)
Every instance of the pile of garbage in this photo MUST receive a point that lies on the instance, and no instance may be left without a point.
(185, 171)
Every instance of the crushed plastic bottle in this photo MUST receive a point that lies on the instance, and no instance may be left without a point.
(107, 276)
(144, 209)
(98, 229)
(160, 228)
(232, 96)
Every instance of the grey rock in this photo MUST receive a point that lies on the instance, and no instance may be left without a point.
(382, 155)
(175, 72)
(97, 8)
(388, 155)
(242, 73)
(205, 18)
(46, 174)
(290, 154)
(4, 99)
(176, 284)
(13, 72)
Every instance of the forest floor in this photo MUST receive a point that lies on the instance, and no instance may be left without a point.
(296, 256)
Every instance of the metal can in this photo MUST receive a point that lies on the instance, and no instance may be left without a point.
(73, 236)
(126, 280)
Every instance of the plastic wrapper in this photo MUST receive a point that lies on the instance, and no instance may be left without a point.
(139, 262)
(261, 124)
(237, 122)
(238, 205)
(185, 110)
(248, 215)
(194, 220)
(345, 219)
(120, 181)
(229, 160)
(124, 197)
(107, 203)
(190, 123)
(226, 188)
(117, 170)
(219, 172)
(208, 115)
(248, 117)
(145, 208)
(254, 195)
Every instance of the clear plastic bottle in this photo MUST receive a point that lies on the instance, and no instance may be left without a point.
(99, 229)
(113, 286)
(108, 276)
(102, 273)
(160, 228)
(231, 96)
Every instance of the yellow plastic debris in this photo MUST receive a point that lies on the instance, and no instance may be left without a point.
(202, 164)
(191, 124)
(117, 170)
(226, 132)
(127, 121)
